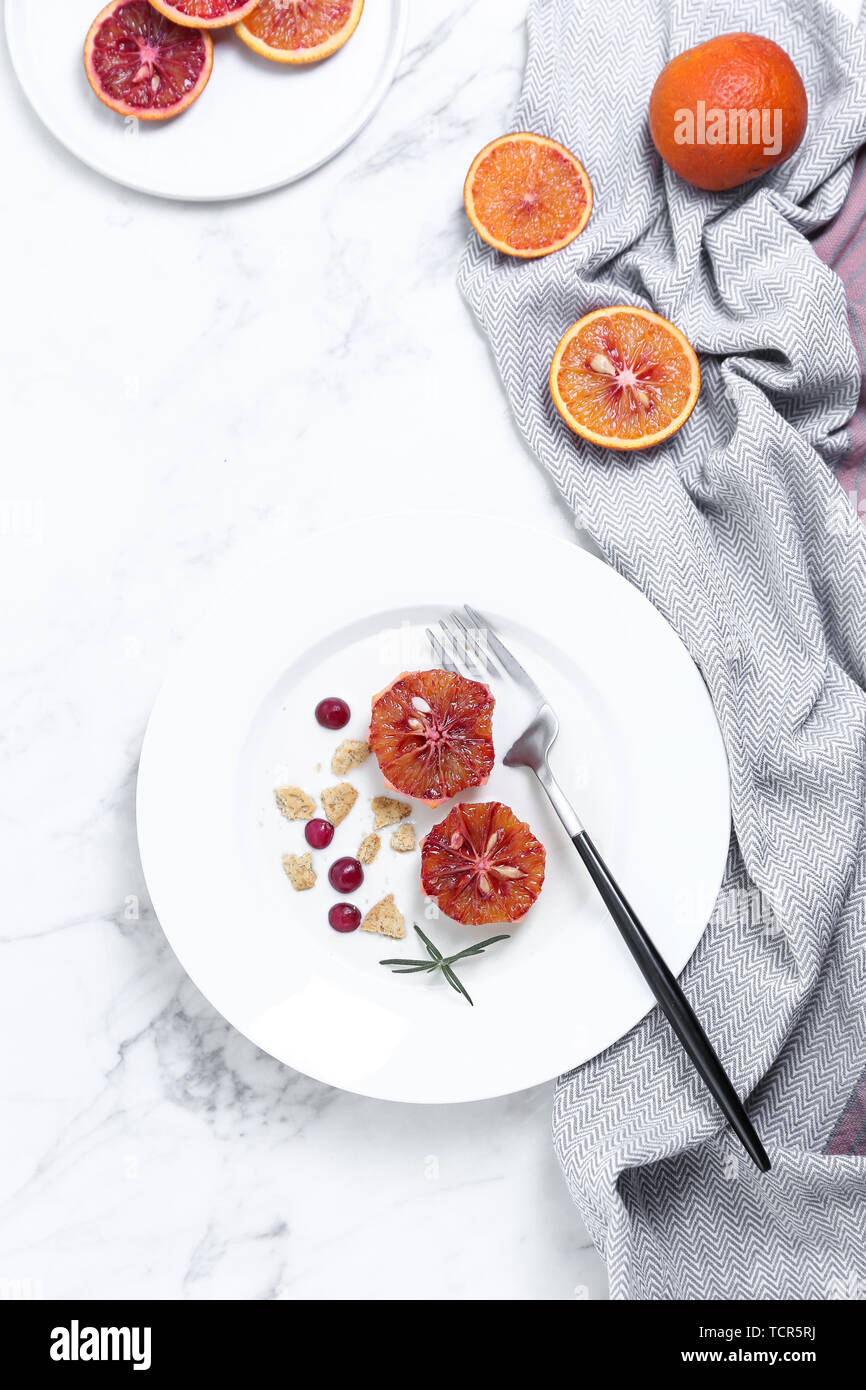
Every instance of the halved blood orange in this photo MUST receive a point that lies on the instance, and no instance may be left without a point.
(481, 864)
(625, 378)
(144, 65)
(527, 195)
(430, 731)
(205, 14)
(300, 31)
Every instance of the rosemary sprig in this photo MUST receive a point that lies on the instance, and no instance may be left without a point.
(401, 965)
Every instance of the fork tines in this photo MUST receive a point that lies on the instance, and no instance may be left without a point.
(440, 656)
(477, 649)
(463, 646)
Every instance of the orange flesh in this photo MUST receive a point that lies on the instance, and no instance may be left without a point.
(651, 386)
(298, 24)
(528, 196)
(206, 11)
(481, 864)
(431, 734)
(145, 65)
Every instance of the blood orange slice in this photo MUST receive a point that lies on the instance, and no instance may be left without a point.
(205, 14)
(625, 378)
(300, 31)
(481, 864)
(430, 731)
(527, 195)
(144, 65)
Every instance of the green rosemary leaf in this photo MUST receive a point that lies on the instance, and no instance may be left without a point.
(402, 965)
(454, 982)
(436, 955)
(477, 949)
(407, 960)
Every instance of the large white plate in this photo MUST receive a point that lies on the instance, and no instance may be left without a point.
(256, 126)
(640, 752)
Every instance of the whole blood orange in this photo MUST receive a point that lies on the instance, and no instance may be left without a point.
(430, 731)
(527, 195)
(144, 65)
(728, 110)
(624, 378)
(300, 31)
(205, 14)
(481, 864)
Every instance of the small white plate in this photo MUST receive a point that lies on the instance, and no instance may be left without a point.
(256, 126)
(640, 754)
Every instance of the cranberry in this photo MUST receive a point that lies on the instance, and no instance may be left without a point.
(344, 917)
(345, 875)
(333, 713)
(319, 833)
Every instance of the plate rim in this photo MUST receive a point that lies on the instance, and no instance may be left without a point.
(370, 1087)
(383, 85)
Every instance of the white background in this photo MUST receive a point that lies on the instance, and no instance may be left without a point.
(180, 383)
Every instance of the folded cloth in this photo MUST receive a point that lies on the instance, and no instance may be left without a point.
(843, 246)
(739, 532)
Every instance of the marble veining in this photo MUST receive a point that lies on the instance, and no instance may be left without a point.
(183, 384)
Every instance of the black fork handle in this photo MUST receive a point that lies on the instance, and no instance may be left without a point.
(674, 1003)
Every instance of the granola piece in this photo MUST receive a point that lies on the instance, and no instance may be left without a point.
(294, 803)
(350, 753)
(387, 811)
(386, 919)
(299, 871)
(338, 801)
(403, 840)
(369, 848)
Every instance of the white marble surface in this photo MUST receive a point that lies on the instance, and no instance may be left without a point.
(181, 382)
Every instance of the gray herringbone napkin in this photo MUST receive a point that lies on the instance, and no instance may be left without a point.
(739, 533)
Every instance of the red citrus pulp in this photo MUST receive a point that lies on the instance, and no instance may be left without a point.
(300, 31)
(481, 864)
(527, 195)
(205, 14)
(144, 65)
(625, 378)
(431, 733)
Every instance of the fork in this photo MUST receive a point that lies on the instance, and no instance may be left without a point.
(477, 645)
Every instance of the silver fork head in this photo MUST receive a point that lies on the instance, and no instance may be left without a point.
(440, 656)
(530, 748)
(476, 649)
